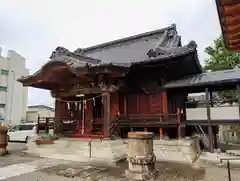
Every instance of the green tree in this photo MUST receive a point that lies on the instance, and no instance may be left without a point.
(220, 58)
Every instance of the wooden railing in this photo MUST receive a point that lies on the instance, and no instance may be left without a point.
(151, 120)
(156, 117)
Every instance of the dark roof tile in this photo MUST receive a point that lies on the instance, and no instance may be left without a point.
(210, 78)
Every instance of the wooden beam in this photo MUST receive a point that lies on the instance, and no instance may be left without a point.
(32, 83)
(231, 10)
(85, 90)
(234, 36)
(233, 29)
(213, 122)
(227, 2)
(234, 42)
(232, 20)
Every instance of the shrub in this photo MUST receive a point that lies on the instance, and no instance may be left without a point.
(49, 137)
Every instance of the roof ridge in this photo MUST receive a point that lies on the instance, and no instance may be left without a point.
(121, 40)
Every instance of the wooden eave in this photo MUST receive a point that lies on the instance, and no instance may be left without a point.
(229, 17)
(43, 85)
(71, 68)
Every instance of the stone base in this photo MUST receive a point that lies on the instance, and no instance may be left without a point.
(185, 150)
(73, 149)
(141, 176)
(141, 172)
(3, 151)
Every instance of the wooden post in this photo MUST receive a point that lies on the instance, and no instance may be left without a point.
(38, 122)
(164, 104)
(214, 141)
(125, 106)
(57, 117)
(238, 98)
(215, 130)
(210, 133)
(179, 125)
(160, 118)
(83, 115)
(47, 126)
(106, 115)
(211, 98)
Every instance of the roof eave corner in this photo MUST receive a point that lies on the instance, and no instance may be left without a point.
(21, 79)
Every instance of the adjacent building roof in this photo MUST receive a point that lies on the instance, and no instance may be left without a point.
(229, 16)
(211, 79)
(41, 107)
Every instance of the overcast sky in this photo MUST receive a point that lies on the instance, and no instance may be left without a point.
(34, 28)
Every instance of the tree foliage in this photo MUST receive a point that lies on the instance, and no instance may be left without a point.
(220, 58)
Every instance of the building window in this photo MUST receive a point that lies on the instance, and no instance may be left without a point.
(2, 88)
(4, 72)
(2, 105)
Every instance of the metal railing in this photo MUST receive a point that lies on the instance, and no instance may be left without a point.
(203, 136)
(228, 166)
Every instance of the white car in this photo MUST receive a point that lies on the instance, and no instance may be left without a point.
(22, 132)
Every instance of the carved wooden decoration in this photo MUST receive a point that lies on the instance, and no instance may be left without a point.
(152, 87)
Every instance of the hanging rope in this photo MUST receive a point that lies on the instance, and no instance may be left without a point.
(92, 98)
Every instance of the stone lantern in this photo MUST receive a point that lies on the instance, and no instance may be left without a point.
(3, 139)
(141, 159)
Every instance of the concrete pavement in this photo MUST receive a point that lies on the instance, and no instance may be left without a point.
(16, 147)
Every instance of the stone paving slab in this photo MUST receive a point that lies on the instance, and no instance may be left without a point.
(19, 169)
(14, 159)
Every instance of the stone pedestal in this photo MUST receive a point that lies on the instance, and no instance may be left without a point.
(184, 151)
(3, 139)
(141, 159)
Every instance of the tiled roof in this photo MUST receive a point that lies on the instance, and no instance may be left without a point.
(127, 39)
(204, 79)
(139, 49)
(134, 48)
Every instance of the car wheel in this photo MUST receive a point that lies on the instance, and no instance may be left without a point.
(26, 140)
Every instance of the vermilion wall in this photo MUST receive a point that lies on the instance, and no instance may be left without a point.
(147, 103)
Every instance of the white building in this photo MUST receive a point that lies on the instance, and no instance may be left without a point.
(42, 111)
(13, 96)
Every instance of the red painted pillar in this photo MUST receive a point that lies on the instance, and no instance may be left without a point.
(161, 132)
(163, 110)
(106, 115)
(164, 103)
